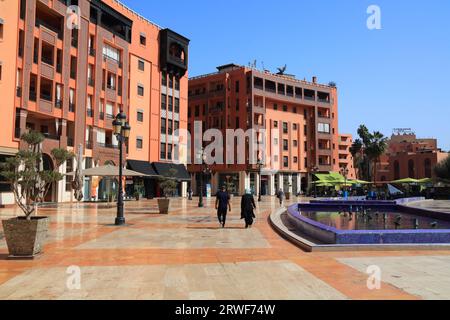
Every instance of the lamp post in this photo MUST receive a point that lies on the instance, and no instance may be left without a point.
(202, 156)
(314, 170)
(122, 132)
(260, 165)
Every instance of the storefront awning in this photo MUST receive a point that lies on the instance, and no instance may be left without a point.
(144, 167)
(163, 169)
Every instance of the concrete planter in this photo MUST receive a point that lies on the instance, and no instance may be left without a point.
(163, 205)
(25, 238)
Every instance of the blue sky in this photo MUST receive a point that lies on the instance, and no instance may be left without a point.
(397, 77)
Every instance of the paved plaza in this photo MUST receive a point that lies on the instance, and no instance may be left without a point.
(186, 255)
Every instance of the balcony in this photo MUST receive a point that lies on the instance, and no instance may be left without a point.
(106, 58)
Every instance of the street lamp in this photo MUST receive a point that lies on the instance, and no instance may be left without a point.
(122, 132)
(314, 170)
(201, 155)
(260, 165)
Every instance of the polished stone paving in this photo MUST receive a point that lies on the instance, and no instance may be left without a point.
(186, 255)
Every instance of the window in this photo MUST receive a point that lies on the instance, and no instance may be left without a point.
(294, 127)
(141, 65)
(109, 110)
(164, 79)
(275, 141)
(295, 143)
(163, 150)
(170, 127)
(111, 53)
(324, 128)
(285, 108)
(177, 105)
(169, 152)
(295, 159)
(197, 111)
(237, 87)
(139, 143)
(305, 130)
(1, 29)
(285, 162)
(275, 124)
(1, 69)
(285, 127)
(275, 107)
(237, 122)
(237, 104)
(305, 147)
(170, 104)
(140, 116)
(140, 90)
(170, 82)
(163, 102)
(285, 145)
(143, 39)
(177, 83)
(176, 126)
(163, 126)
(69, 169)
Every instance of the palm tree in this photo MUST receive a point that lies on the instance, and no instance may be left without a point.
(442, 169)
(367, 151)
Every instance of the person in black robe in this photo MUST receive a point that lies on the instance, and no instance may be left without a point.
(247, 207)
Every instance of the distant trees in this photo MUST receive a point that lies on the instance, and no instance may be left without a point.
(366, 152)
(442, 169)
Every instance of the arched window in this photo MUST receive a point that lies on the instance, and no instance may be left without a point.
(396, 170)
(427, 165)
(411, 169)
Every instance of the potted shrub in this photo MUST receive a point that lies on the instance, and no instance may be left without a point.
(25, 236)
(137, 195)
(168, 186)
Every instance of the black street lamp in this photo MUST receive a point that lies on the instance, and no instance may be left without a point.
(314, 170)
(122, 132)
(260, 165)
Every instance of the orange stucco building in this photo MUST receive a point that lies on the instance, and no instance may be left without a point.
(409, 157)
(299, 119)
(69, 66)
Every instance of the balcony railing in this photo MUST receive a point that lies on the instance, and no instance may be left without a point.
(46, 97)
(105, 58)
(19, 92)
(47, 60)
(310, 98)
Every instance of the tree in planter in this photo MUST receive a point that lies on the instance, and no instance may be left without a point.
(169, 184)
(30, 184)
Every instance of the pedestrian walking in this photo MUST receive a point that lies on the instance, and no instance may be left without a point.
(280, 196)
(247, 207)
(222, 205)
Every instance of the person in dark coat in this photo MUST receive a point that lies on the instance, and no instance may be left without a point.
(247, 207)
(222, 205)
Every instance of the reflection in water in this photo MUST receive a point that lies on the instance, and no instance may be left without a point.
(368, 219)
